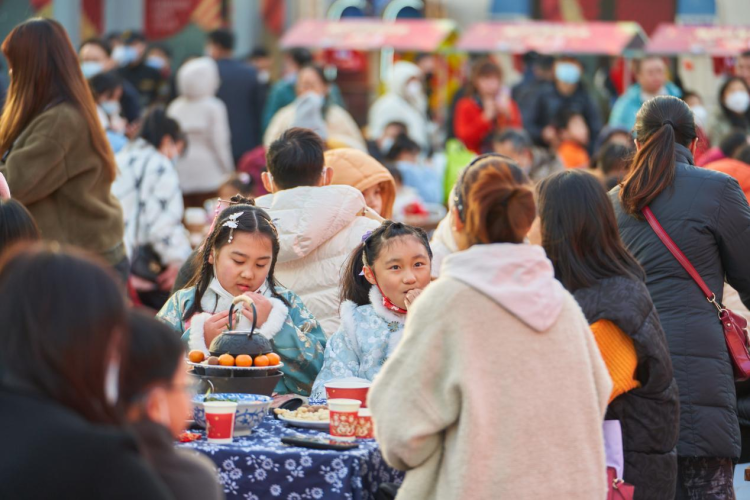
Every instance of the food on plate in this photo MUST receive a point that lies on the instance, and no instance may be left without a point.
(226, 360)
(261, 360)
(213, 360)
(273, 359)
(187, 437)
(315, 413)
(196, 356)
(243, 360)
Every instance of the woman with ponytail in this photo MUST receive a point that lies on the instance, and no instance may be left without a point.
(497, 389)
(707, 216)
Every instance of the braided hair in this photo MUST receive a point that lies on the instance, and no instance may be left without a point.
(354, 286)
(252, 220)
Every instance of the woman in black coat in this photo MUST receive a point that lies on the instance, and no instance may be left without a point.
(707, 216)
(579, 234)
(63, 325)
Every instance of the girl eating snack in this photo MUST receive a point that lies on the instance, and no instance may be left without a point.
(238, 258)
(383, 277)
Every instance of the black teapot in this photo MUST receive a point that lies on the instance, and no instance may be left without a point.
(236, 342)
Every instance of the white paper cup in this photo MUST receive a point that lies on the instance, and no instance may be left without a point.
(220, 421)
(343, 418)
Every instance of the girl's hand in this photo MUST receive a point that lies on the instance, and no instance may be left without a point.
(214, 325)
(262, 305)
(4, 189)
(411, 296)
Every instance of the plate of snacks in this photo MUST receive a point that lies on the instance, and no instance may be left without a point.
(308, 417)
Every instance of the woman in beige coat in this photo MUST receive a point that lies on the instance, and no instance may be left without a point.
(497, 389)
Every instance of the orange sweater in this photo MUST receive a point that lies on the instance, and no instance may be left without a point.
(573, 155)
(619, 355)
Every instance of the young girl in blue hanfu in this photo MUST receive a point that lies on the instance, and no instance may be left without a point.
(238, 258)
(382, 278)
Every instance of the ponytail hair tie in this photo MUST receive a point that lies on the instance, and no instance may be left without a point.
(668, 122)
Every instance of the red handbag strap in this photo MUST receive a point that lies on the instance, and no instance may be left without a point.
(674, 250)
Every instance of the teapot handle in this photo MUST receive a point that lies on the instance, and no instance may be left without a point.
(248, 301)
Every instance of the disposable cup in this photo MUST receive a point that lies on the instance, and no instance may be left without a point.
(343, 418)
(365, 429)
(219, 421)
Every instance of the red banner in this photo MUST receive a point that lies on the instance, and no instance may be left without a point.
(717, 41)
(420, 35)
(599, 37)
(164, 18)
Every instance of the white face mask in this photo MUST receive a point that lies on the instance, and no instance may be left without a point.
(112, 382)
(738, 101)
(386, 145)
(701, 116)
(264, 76)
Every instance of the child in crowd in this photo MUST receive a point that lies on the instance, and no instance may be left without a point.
(404, 154)
(381, 280)
(355, 168)
(240, 184)
(613, 164)
(573, 139)
(407, 198)
(238, 258)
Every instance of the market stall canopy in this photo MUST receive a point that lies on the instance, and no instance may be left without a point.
(597, 37)
(717, 41)
(419, 35)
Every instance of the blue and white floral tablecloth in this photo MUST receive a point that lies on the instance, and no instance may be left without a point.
(259, 467)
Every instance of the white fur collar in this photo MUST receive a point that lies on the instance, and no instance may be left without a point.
(376, 299)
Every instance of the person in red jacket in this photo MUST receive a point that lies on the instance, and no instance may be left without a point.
(486, 109)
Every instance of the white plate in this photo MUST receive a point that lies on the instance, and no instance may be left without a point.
(319, 425)
(251, 368)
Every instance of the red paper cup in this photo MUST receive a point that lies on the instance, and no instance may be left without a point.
(219, 421)
(353, 389)
(364, 424)
(343, 418)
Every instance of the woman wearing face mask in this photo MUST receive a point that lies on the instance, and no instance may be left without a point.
(568, 92)
(733, 111)
(64, 323)
(155, 399)
(107, 91)
(149, 191)
(486, 109)
(313, 110)
(405, 102)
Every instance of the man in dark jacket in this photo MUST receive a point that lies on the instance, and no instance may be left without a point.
(567, 93)
(707, 215)
(133, 68)
(240, 90)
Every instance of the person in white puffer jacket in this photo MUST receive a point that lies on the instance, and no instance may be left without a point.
(202, 116)
(319, 225)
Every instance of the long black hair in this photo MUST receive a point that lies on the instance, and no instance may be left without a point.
(354, 285)
(252, 220)
(579, 231)
(661, 124)
(154, 354)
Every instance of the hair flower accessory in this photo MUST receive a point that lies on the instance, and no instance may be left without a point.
(232, 224)
(366, 236)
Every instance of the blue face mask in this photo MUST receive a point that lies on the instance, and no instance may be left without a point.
(124, 55)
(91, 68)
(156, 63)
(568, 72)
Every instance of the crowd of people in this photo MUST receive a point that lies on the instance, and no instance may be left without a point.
(499, 346)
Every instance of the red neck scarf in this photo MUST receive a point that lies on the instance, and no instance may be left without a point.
(388, 304)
